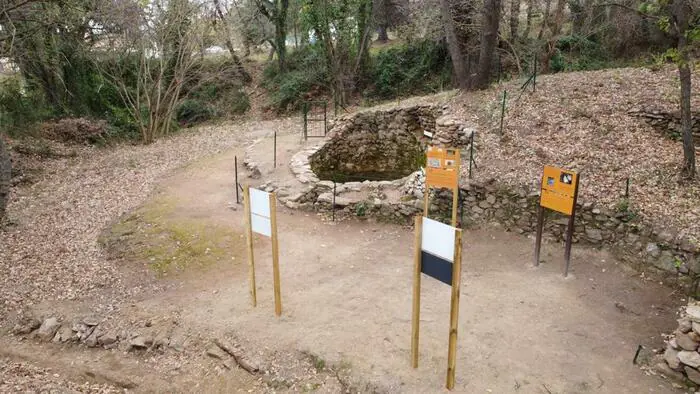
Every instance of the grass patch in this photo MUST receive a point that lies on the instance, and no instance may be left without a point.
(154, 236)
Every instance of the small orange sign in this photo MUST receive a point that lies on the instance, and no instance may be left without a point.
(442, 167)
(559, 189)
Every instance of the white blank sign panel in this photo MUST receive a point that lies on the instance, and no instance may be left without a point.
(260, 212)
(261, 225)
(438, 239)
(259, 202)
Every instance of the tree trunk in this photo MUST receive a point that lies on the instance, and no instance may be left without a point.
(382, 33)
(281, 32)
(681, 12)
(686, 115)
(558, 18)
(545, 19)
(459, 61)
(514, 19)
(237, 62)
(5, 174)
(229, 45)
(528, 22)
(489, 39)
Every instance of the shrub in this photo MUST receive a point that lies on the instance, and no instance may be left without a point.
(217, 92)
(20, 107)
(407, 69)
(306, 76)
(578, 53)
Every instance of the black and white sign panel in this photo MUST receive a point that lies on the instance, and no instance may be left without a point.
(437, 250)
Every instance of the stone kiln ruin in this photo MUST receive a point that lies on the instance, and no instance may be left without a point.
(375, 146)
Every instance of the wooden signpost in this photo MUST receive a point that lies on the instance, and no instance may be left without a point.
(261, 217)
(559, 193)
(438, 253)
(442, 170)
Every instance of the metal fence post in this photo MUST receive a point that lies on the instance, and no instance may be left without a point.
(471, 154)
(305, 110)
(325, 118)
(274, 149)
(503, 110)
(534, 76)
(235, 163)
(333, 207)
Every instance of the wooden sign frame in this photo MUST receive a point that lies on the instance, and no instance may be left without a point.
(437, 258)
(559, 192)
(261, 216)
(442, 170)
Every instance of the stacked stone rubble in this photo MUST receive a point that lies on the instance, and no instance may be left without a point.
(681, 356)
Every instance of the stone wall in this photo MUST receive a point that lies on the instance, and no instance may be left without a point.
(681, 360)
(668, 123)
(622, 231)
(629, 236)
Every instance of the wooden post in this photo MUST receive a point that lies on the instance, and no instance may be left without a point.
(415, 323)
(275, 254)
(454, 310)
(538, 238)
(455, 205)
(426, 198)
(249, 242)
(570, 230)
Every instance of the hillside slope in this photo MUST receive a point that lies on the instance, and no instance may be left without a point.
(584, 121)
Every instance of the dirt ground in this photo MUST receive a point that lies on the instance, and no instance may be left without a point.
(346, 293)
(347, 298)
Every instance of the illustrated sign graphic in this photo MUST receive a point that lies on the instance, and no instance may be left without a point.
(558, 189)
(438, 254)
(442, 167)
(559, 193)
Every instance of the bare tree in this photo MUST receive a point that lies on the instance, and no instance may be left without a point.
(155, 58)
(223, 26)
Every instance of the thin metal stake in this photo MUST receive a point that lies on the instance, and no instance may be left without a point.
(534, 76)
(333, 201)
(305, 110)
(235, 163)
(274, 148)
(325, 118)
(636, 354)
(503, 110)
(471, 154)
(538, 237)
(627, 188)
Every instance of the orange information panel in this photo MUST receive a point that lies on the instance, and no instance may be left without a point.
(559, 189)
(442, 167)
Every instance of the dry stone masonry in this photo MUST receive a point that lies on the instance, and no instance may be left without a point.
(669, 124)
(681, 360)
(676, 255)
(371, 156)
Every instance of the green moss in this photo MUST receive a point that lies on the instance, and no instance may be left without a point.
(155, 236)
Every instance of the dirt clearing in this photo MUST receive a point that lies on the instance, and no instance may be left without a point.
(346, 291)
